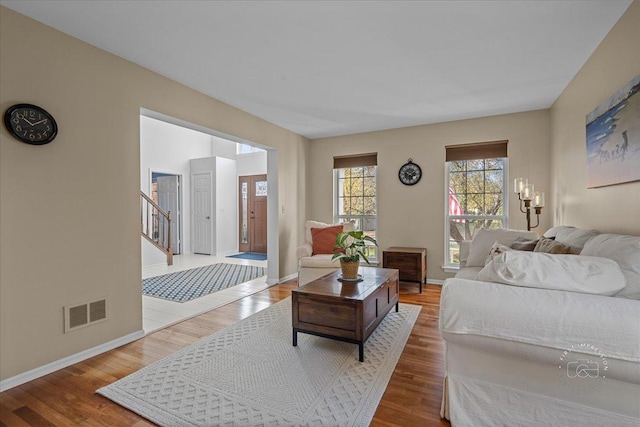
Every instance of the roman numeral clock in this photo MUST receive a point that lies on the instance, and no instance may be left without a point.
(410, 173)
(31, 124)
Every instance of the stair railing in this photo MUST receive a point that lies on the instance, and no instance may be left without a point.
(156, 225)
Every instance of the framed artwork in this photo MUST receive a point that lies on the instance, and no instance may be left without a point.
(613, 138)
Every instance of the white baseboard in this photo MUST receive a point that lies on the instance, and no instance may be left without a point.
(435, 282)
(68, 361)
(272, 282)
(287, 278)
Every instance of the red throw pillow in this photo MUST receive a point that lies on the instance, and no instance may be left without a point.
(324, 239)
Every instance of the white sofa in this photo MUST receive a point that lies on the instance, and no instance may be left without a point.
(516, 355)
(310, 266)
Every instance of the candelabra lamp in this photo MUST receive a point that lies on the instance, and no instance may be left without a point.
(529, 198)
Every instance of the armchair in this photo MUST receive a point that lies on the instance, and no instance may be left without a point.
(315, 261)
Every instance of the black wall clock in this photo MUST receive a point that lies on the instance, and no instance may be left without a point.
(410, 173)
(31, 124)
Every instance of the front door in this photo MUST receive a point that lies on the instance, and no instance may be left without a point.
(253, 213)
(201, 210)
(169, 200)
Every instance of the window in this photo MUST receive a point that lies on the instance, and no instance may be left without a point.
(247, 149)
(476, 193)
(355, 194)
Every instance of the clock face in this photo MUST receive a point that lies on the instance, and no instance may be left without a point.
(410, 173)
(31, 124)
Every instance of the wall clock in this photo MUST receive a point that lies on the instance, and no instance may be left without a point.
(410, 173)
(31, 124)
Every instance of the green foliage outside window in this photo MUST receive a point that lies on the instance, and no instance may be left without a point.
(476, 186)
(357, 200)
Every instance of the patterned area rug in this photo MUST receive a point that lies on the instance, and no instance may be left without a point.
(190, 284)
(249, 374)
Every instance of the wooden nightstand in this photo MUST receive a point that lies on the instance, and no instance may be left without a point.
(412, 263)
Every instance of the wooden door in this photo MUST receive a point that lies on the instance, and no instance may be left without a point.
(253, 213)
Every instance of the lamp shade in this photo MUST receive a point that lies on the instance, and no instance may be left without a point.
(538, 199)
(519, 183)
(527, 192)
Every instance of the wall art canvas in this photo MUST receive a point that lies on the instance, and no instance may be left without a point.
(613, 138)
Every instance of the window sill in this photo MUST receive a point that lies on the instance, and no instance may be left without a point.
(451, 268)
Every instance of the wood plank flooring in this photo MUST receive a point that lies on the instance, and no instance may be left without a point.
(67, 397)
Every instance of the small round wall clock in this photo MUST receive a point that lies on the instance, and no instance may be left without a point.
(31, 124)
(410, 173)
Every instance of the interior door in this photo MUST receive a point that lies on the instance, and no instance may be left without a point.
(169, 200)
(201, 210)
(253, 213)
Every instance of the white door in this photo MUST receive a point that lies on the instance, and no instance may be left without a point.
(169, 200)
(201, 210)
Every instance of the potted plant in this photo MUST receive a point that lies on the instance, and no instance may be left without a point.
(350, 247)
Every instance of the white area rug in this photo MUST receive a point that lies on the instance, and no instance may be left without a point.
(249, 374)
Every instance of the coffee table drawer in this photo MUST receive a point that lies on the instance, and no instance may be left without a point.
(332, 314)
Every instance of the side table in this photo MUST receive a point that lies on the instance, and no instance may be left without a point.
(412, 263)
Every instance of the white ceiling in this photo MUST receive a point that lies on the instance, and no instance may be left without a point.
(324, 68)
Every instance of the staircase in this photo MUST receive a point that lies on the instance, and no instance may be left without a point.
(156, 226)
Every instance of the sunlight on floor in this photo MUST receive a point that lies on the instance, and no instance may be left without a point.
(159, 313)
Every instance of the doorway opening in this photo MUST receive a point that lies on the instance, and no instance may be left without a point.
(166, 192)
(252, 212)
(180, 152)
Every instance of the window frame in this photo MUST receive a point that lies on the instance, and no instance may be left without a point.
(337, 218)
(504, 218)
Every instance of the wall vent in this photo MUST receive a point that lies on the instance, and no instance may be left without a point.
(79, 315)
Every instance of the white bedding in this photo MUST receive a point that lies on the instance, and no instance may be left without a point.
(550, 318)
(575, 273)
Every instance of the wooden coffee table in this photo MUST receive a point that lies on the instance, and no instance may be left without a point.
(344, 311)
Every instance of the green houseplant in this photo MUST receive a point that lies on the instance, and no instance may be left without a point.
(350, 247)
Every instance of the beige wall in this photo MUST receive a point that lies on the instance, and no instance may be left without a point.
(69, 216)
(613, 64)
(414, 216)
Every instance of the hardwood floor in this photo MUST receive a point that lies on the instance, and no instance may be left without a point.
(67, 397)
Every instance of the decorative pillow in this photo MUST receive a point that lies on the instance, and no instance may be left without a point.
(484, 239)
(623, 249)
(496, 250)
(309, 224)
(549, 246)
(573, 273)
(524, 244)
(553, 231)
(324, 239)
(575, 238)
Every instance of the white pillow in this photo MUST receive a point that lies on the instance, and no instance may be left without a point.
(575, 238)
(486, 237)
(573, 273)
(623, 249)
(553, 231)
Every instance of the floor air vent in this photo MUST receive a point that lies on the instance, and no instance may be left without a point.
(84, 314)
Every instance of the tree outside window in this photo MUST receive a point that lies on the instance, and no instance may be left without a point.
(355, 199)
(476, 198)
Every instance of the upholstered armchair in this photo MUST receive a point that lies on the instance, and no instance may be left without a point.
(314, 255)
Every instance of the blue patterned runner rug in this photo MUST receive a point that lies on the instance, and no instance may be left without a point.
(190, 284)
